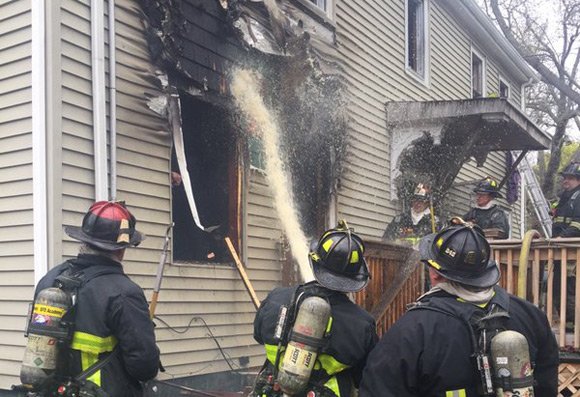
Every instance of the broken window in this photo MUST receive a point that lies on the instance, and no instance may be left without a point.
(477, 75)
(416, 36)
(209, 145)
(504, 89)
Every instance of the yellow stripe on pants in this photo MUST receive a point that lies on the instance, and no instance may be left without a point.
(455, 393)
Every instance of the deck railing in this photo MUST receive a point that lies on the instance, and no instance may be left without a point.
(396, 281)
(535, 282)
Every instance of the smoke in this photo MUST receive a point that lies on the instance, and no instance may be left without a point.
(246, 91)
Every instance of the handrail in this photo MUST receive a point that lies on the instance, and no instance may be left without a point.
(529, 267)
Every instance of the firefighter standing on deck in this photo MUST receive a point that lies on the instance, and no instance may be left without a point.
(339, 267)
(112, 316)
(486, 213)
(430, 351)
(566, 223)
(418, 222)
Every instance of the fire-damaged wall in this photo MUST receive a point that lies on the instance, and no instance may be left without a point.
(197, 45)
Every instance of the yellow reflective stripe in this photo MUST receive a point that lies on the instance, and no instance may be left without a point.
(327, 244)
(332, 384)
(271, 351)
(92, 343)
(328, 325)
(354, 257)
(87, 360)
(330, 365)
(439, 242)
(434, 264)
(456, 393)
(575, 224)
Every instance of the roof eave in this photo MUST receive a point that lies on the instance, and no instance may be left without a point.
(490, 38)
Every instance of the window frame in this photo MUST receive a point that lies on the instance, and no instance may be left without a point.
(326, 12)
(421, 76)
(483, 73)
(507, 85)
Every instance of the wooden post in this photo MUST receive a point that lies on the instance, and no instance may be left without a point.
(243, 274)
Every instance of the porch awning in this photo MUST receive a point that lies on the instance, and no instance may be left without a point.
(486, 124)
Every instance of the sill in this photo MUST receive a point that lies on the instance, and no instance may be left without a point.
(200, 264)
(318, 14)
(424, 81)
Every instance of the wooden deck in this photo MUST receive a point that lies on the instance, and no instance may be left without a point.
(398, 280)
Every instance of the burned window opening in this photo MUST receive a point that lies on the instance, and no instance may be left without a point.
(210, 150)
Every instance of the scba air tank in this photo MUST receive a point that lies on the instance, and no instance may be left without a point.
(511, 365)
(305, 341)
(44, 331)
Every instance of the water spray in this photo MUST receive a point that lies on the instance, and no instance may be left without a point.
(246, 91)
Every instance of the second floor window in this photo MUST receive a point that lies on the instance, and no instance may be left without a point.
(504, 89)
(477, 75)
(416, 36)
(322, 4)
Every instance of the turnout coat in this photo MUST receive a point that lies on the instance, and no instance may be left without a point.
(111, 314)
(427, 353)
(340, 362)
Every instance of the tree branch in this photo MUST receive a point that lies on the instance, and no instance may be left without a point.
(533, 60)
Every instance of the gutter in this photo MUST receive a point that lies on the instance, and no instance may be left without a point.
(477, 23)
(39, 133)
(99, 99)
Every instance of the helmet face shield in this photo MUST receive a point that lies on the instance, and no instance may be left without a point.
(337, 260)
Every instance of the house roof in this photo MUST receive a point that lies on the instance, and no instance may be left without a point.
(489, 38)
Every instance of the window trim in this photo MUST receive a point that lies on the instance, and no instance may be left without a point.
(422, 78)
(507, 84)
(327, 14)
(483, 72)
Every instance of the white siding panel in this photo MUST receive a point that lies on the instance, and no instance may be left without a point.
(16, 242)
(372, 39)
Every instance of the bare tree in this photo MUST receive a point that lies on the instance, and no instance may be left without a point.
(549, 43)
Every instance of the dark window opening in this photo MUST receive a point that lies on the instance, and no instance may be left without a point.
(210, 151)
(504, 90)
(416, 36)
(476, 75)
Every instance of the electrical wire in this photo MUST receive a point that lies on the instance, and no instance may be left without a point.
(226, 357)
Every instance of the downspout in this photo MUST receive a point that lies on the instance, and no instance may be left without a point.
(39, 163)
(113, 99)
(99, 99)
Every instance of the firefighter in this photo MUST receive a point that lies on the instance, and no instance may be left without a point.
(418, 222)
(487, 214)
(111, 314)
(566, 223)
(339, 268)
(432, 349)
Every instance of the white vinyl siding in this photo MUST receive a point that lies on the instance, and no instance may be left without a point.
(16, 218)
(370, 34)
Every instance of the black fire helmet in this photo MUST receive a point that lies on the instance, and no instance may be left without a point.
(460, 253)
(337, 260)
